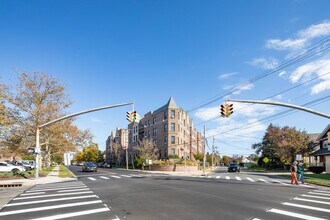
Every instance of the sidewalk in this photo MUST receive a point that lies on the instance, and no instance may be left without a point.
(8, 193)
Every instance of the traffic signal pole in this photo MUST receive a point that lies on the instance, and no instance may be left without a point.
(284, 105)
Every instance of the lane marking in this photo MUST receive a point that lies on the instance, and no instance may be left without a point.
(227, 178)
(30, 194)
(238, 178)
(58, 188)
(73, 190)
(304, 185)
(103, 171)
(307, 207)
(73, 214)
(91, 178)
(318, 197)
(48, 207)
(277, 181)
(265, 181)
(125, 176)
(51, 200)
(117, 177)
(310, 200)
(218, 177)
(58, 185)
(294, 214)
(328, 192)
(52, 195)
(322, 194)
(103, 177)
(209, 177)
(134, 175)
(250, 179)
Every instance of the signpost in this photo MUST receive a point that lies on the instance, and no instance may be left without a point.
(298, 157)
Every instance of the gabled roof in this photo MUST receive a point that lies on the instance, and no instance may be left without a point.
(322, 151)
(324, 133)
(170, 104)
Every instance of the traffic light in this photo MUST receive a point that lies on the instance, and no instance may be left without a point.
(134, 116)
(223, 111)
(230, 109)
(129, 116)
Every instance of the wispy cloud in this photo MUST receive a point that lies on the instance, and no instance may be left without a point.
(282, 74)
(264, 63)
(227, 75)
(302, 39)
(96, 120)
(242, 88)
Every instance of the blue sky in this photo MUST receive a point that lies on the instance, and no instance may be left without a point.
(109, 52)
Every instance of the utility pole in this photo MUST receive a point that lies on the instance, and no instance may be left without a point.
(212, 153)
(190, 147)
(204, 158)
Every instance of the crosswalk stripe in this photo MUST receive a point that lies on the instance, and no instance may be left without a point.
(52, 195)
(294, 214)
(310, 200)
(265, 181)
(73, 214)
(58, 188)
(307, 186)
(277, 181)
(250, 179)
(218, 177)
(307, 207)
(117, 177)
(48, 207)
(30, 194)
(91, 178)
(73, 190)
(58, 185)
(238, 178)
(134, 175)
(103, 177)
(209, 177)
(322, 191)
(318, 197)
(50, 200)
(125, 176)
(227, 178)
(317, 193)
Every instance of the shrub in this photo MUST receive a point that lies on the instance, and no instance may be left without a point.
(173, 156)
(316, 169)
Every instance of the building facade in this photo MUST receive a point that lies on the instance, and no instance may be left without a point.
(115, 146)
(171, 130)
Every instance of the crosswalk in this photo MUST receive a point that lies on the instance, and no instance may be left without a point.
(56, 201)
(112, 177)
(305, 206)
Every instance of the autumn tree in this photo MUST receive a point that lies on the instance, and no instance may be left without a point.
(147, 151)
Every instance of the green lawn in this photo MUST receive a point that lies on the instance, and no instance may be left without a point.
(325, 176)
(26, 174)
(65, 172)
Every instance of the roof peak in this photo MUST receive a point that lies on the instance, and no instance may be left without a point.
(171, 103)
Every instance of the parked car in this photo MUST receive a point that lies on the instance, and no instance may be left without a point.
(107, 165)
(25, 165)
(233, 167)
(89, 166)
(7, 167)
(29, 162)
(101, 165)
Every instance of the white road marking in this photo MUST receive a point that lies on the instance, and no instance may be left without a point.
(227, 178)
(135, 175)
(304, 185)
(256, 219)
(265, 181)
(277, 181)
(103, 177)
(52, 195)
(307, 207)
(118, 177)
(91, 178)
(48, 207)
(58, 188)
(238, 178)
(73, 190)
(30, 194)
(51, 200)
(294, 214)
(125, 176)
(310, 200)
(321, 191)
(250, 179)
(317, 193)
(209, 177)
(58, 185)
(218, 177)
(73, 214)
(318, 197)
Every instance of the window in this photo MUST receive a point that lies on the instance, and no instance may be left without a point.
(172, 151)
(172, 113)
(184, 122)
(165, 115)
(184, 132)
(148, 122)
(172, 126)
(172, 139)
(154, 120)
(148, 134)
(155, 142)
(160, 153)
(165, 152)
(165, 127)
(154, 132)
(165, 139)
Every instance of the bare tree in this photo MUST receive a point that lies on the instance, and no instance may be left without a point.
(147, 151)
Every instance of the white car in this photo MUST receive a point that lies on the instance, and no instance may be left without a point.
(6, 167)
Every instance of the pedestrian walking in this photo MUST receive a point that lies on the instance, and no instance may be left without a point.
(293, 170)
(300, 170)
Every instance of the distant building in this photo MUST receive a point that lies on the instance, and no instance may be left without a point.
(115, 145)
(171, 130)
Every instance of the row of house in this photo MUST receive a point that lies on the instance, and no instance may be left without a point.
(170, 129)
(321, 154)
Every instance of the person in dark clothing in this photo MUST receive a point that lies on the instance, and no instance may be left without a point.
(293, 170)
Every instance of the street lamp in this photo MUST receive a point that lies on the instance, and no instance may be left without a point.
(37, 150)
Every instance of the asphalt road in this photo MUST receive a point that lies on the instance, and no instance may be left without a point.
(120, 194)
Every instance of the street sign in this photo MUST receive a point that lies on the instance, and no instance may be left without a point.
(148, 162)
(298, 157)
(266, 160)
